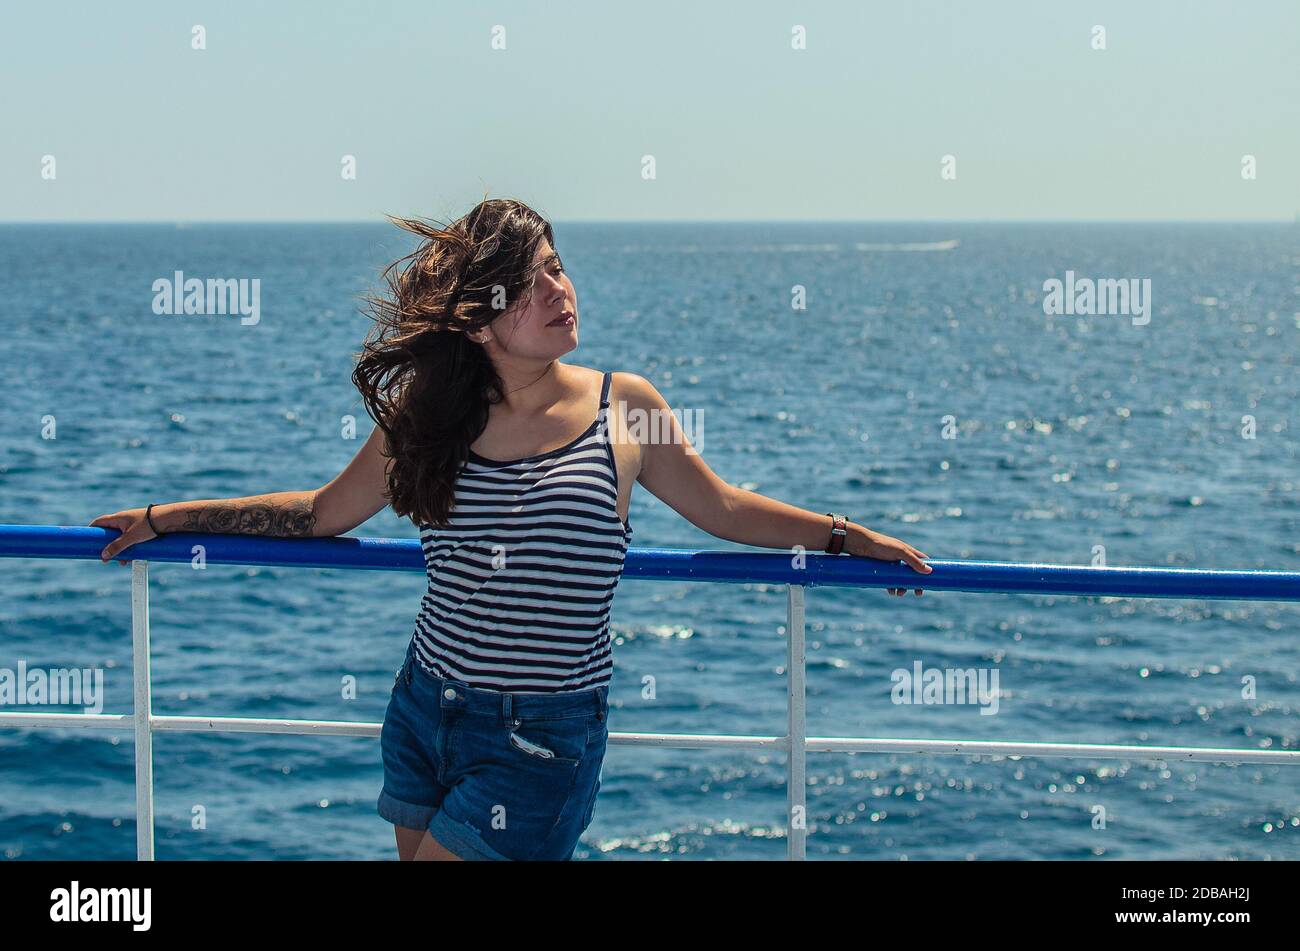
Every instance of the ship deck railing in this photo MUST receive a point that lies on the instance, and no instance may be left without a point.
(798, 571)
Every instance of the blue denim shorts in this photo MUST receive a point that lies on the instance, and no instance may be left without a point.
(492, 775)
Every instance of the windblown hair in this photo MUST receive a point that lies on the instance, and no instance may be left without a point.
(423, 381)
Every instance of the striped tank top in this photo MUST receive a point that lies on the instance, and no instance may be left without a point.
(522, 578)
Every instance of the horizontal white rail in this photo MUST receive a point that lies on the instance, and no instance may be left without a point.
(688, 741)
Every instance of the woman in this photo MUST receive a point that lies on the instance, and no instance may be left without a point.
(496, 728)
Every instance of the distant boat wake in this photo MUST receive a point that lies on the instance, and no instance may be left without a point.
(794, 248)
(910, 246)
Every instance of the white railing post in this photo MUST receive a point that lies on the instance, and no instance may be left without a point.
(143, 711)
(796, 778)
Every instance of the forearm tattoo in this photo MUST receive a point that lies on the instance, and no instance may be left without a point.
(253, 517)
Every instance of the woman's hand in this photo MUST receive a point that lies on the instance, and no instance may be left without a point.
(133, 526)
(864, 543)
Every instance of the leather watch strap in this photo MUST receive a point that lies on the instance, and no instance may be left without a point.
(839, 532)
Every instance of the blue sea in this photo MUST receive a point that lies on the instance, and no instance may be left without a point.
(1071, 436)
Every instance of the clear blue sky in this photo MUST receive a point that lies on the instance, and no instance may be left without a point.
(742, 127)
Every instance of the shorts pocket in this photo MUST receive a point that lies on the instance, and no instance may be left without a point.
(556, 742)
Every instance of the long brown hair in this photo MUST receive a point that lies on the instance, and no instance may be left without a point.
(423, 381)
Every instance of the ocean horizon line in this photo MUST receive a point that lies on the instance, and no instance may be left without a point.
(180, 222)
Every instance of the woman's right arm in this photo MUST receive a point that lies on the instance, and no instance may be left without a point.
(353, 496)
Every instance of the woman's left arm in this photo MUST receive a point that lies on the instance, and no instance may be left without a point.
(674, 472)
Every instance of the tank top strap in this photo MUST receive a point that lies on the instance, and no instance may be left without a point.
(604, 390)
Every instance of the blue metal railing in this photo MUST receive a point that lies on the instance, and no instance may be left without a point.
(798, 571)
(817, 570)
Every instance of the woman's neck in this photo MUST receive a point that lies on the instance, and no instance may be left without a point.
(532, 387)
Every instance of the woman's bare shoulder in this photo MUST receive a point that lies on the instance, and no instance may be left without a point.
(634, 390)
